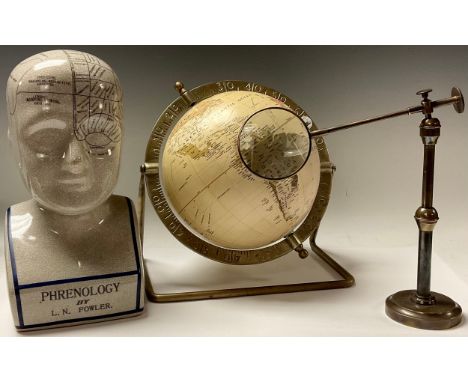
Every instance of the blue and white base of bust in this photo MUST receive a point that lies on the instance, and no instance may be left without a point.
(73, 301)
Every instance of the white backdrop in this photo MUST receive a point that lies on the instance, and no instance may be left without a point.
(369, 225)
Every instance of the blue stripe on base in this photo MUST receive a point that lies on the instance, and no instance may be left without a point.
(76, 320)
(13, 269)
(135, 250)
(77, 279)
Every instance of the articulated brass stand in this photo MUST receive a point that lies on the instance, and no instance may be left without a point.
(422, 308)
(152, 294)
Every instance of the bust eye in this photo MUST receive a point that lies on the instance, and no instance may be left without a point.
(98, 140)
(47, 136)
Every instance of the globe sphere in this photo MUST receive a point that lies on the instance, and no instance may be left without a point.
(211, 190)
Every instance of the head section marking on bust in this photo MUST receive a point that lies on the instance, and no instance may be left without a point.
(65, 125)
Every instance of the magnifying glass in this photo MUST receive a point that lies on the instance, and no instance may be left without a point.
(274, 143)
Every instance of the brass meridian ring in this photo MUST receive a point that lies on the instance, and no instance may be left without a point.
(161, 131)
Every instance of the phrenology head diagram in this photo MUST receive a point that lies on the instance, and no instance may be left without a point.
(65, 124)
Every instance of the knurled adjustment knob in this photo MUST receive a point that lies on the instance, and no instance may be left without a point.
(424, 93)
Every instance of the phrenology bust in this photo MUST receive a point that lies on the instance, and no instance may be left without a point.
(72, 251)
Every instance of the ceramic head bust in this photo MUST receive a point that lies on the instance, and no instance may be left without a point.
(65, 128)
(65, 111)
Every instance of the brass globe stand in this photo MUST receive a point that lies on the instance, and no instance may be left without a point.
(150, 184)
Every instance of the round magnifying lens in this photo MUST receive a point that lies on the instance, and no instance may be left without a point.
(274, 143)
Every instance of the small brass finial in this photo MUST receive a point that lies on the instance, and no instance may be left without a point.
(179, 86)
(302, 252)
(296, 244)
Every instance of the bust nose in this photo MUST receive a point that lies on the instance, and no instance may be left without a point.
(75, 152)
(75, 158)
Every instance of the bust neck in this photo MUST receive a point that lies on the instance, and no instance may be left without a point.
(71, 225)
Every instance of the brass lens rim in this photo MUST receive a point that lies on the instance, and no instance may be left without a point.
(242, 157)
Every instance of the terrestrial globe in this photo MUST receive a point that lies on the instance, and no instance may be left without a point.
(207, 192)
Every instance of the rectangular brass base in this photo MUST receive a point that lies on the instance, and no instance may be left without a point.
(346, 282)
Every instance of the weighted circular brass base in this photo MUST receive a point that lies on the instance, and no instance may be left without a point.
(441, 313)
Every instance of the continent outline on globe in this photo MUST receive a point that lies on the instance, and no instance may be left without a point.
(174, 222)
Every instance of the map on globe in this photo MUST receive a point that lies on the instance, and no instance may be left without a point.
(212, 191)
(274, 143)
